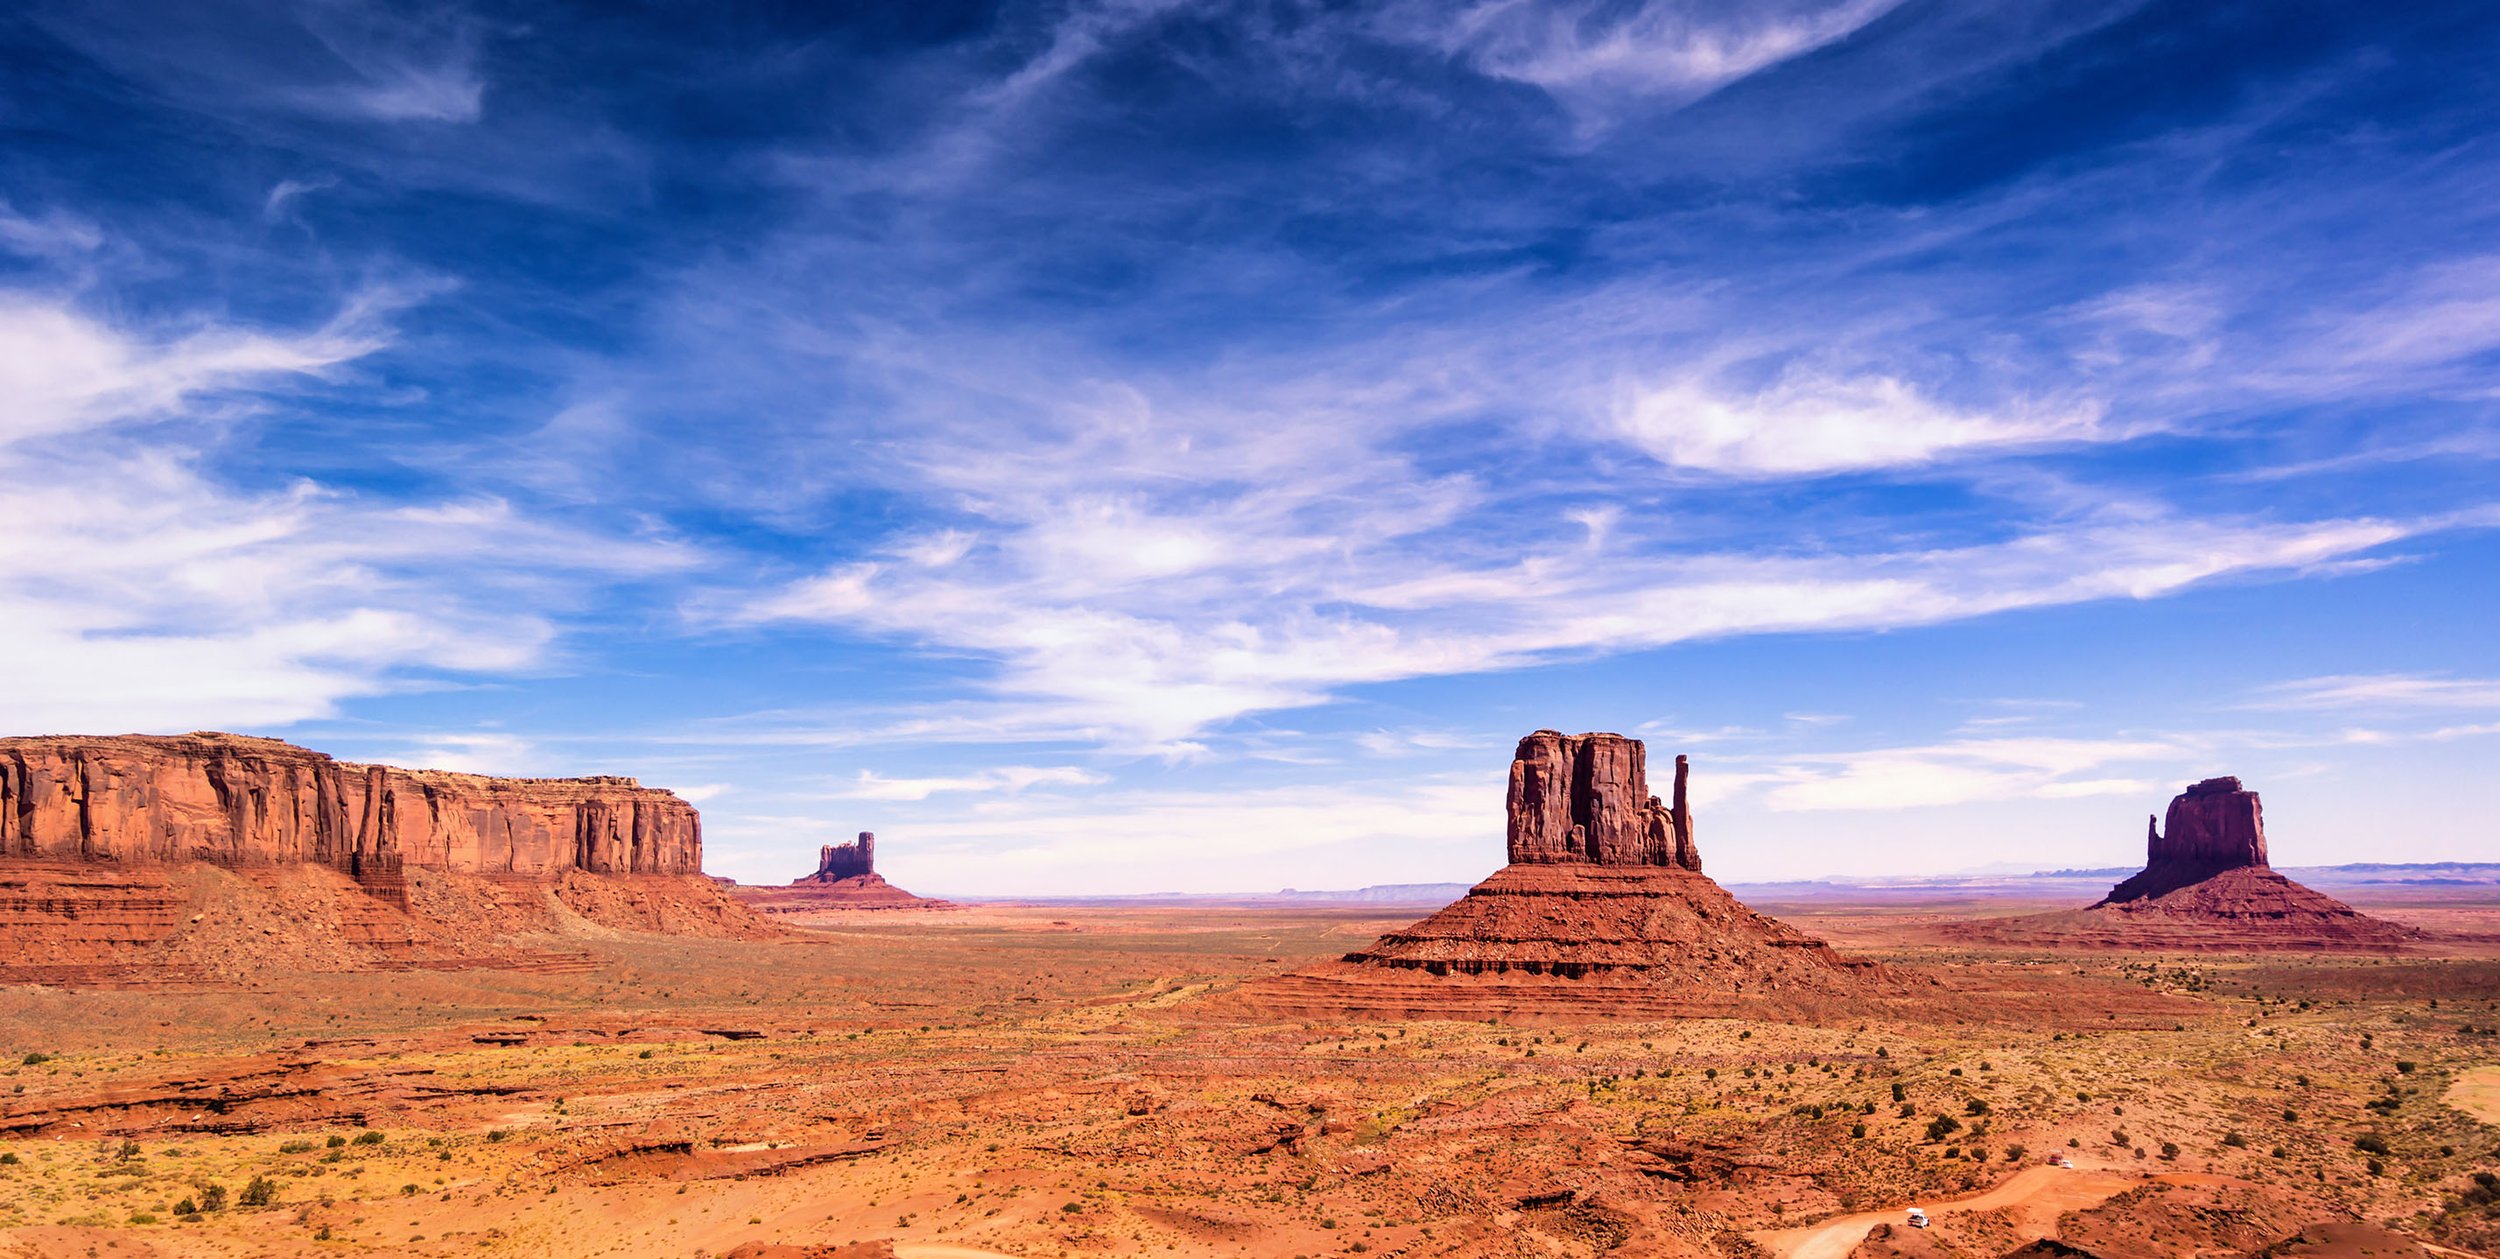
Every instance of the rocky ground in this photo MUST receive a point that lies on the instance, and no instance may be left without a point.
(1036, 1081)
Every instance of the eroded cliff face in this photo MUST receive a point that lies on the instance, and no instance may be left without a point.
(2215, 824)
(1585, 798)
(2212, 827)
(236, 801)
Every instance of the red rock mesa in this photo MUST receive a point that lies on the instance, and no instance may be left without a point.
(100, 836)
(846, 878)
(1602, 912)
(2205, 886)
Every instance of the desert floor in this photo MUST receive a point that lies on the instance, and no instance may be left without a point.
(1043, 1081)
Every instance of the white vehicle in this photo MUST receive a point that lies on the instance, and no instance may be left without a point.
(1918, 1218)
(2060, 1160)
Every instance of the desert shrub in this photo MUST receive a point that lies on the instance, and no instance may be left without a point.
(34, 1059)
(2406, 1068)
(142, 1217)
(1941, 1126)
(1900, 1093)
(335, 1141)
(2014, 1153)
(9, 1159)
(499, 1134)
(296, 1147)
(1857, 1130)
(186, 1207)
(369, 1137)
(2234, 1140)
(1975, 1107)
(2170, 1150)
(213, 1198)
(2369, 1145)
(260, 1193)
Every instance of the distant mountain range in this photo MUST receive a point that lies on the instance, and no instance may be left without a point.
(2359, 876)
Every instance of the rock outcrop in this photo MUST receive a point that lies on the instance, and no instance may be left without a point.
(232, 800)
(1585, 798)
(100, 838)
(2205, 885)
(2213, 826)
(1603, 912)
(846, 878)
(836, 862)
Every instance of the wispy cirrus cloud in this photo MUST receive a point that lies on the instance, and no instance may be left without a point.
(1595, 56)
(1807, 423)
(1009, 779)
(2393, 692)
(148, 593)
(1968, 771)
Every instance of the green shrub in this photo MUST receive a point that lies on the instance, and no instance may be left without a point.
(369, 1137)
(213, 1198)
(260, 1193)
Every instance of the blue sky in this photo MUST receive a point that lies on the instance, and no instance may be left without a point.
(1144, 446)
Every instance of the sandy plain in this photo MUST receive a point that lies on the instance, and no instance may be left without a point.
(1065, 1080)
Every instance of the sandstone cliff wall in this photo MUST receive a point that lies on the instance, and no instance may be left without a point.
(235, 801)
(1585, 798)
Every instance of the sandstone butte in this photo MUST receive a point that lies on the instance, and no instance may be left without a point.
(2206, 885)
(1602, 912)
(107, 845)
(846, 878)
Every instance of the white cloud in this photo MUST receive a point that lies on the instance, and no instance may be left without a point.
(1321, 835)
(1806, 423)
(1009, 779)
(1147, 665)
(1963, 772)
(55, 236)
(1589, 54)
(62, 370)
(2382, 691)
(145, 593)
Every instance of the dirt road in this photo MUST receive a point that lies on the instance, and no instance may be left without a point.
(2477, 1093)
(2038, 1194)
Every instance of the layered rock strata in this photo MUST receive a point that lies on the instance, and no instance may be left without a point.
(2206, 885)
(102, 839)
(232, 800)
(1602, 912)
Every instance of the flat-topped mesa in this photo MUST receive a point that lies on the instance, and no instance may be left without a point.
(836, 862)
(1585, 798)
(234, 800)
(2213, 826)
